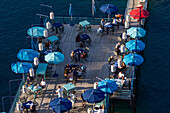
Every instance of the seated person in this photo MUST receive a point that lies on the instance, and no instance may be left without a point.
(78, 38)
(67, 66)
(84, 55)
(100, 30)
(124, 36)
(66, 72)
(73, 66)
(120, 63)
(32, 108)
(110, 59)
(120, 75)
(122, 49)
(43, 83)
(126, 51)
(117, 48)
(73, 56)
(70, 76)
(82, 67)
(124, 81)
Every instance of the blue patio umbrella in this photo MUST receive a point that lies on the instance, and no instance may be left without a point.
(27, 54)
(133, 59)
(136, 32)
(54, 58)
(36, 31)
(135, 45)
(21, 67)
(107, 86)
(108, 9)
(93, 95)
(59, 105)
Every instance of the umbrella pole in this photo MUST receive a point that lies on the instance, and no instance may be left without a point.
(23, 77)
(108, 17)
(71, 19)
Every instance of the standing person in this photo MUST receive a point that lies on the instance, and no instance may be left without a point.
(28, 78)
(110, 59)
(117, 48)
(60, 92)
(114, 22)
(102, 22)
(83, 101)
(95, 85)
(124, 36)
(122, 49)
(75, 74)
(73, 98)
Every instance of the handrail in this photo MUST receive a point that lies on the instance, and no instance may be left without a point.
(12, 109)
(3, 109)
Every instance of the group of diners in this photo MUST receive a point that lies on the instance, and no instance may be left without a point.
(106, 26)
(26, 107)
(117, 67)
(83, 39)
(79, 54)
(72, 72)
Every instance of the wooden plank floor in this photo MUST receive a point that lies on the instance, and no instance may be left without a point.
(101, 49)
(132, 4)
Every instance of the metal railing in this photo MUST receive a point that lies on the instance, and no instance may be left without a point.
(77, 19)
(16, 99)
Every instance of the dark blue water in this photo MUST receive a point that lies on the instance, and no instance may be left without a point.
(16, 16)
(154, 81)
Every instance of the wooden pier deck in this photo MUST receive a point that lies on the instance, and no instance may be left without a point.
(132, 4)
(101, 48)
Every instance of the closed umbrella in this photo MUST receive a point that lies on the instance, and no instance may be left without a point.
(108, 9)
(135, 45)
(136, 32)
(93, 95)
(71, 11)
(59, 105)
(133, 59)
(27, 54)
(54, 58)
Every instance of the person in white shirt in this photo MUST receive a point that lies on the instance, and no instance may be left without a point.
(31, 73)
(95, 85)
(115, 22)
(60, 92)
(73, 99)
(119, 61)
(120, 75)
(117, 48)
(124, 36)
(43, 83)
(122, 48)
